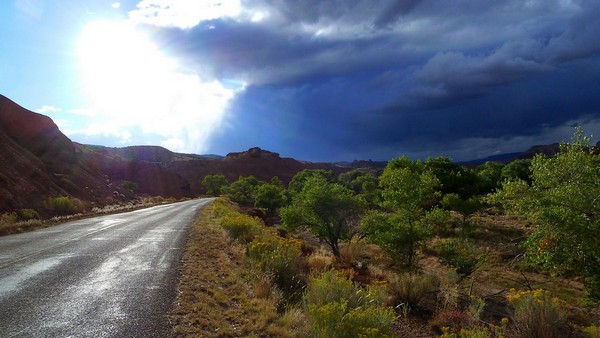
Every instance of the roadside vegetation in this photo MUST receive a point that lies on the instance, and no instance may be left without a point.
(421, 249)
(59, 209)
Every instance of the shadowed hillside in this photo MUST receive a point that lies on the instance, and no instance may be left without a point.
(38, 161)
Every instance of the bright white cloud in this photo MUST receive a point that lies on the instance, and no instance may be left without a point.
(183, 13)
(132, 85)
(82, 112)
(48, 109)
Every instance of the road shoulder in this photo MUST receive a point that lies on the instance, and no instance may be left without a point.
(220, 293)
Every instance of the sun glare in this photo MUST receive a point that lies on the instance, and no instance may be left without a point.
(131, 83)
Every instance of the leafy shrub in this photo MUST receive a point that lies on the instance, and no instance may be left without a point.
(10, 224)
(243, 191)
(409, 289)
(591, 331)
(223, 206)
(280, 256)
(337, 320)
(537, 314)
(241, 227)
(398, 234)
(8, 220)
(440, 221)
(329, 287)
(459, 254)
(473, 332)
(132, 187)
(270, 197)
(338, 308)
(63, 205)
(320, 261)
(28, 214)
(214, 184)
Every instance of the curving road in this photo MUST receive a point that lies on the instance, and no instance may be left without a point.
(108, 276)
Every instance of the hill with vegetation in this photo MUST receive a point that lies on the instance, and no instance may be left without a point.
(38, 162)
(403, 249)
(425, 249)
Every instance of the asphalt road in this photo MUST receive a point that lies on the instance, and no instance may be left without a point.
(108, 276)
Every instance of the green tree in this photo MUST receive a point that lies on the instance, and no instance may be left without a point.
(397, 233)
(453, 178)
(350, 180)
(130, 186)
(517, 169)
(298, 181)
(327, 209)
(409, 191)
(243, 191)
(270, 197)
(276, 181)
(563, 202)
(489, 176)
(408, 185)
(466, 207)
(214, 184)
(364, 184)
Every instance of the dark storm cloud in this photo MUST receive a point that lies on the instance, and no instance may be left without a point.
(377, 12)
(580, 39)
(375, 79)
(262, 55)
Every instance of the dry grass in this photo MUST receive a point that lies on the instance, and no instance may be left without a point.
(360, 252)
(320, 260)
(220, 293)
(10, 224)
(224, 294)
(409, 289)
(499, 238)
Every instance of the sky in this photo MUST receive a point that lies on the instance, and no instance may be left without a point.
(316, 80)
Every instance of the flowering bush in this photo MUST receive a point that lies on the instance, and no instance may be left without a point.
(337, 308)
(591, 331)
(241, 227)
(537, 313)
(63, 205)
(277, 255)
(474, 332)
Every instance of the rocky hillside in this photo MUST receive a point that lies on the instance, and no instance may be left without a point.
(38, 161)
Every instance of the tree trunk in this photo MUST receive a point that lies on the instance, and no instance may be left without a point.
(335, 249)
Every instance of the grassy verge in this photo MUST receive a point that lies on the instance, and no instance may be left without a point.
(14, 222)
(242, 279)
(221, 294)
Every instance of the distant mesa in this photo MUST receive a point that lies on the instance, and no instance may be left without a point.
(38, 161)
(549, 150)
(255, 152)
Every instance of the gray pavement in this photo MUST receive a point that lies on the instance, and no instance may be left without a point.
(108, 276)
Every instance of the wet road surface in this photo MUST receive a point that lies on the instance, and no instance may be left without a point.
(109, 276)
